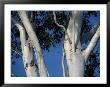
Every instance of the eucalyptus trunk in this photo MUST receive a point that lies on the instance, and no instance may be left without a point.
(76, 58)
(29, 65)
(35, 42)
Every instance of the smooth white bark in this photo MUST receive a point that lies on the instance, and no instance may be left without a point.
(74, 28)
(75, 61)
(74, 57)
(27, 58)
(35, 41)
(92, 44)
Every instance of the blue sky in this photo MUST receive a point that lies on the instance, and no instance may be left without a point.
(52, 60)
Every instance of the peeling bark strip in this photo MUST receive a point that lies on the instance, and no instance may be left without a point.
(34, 39)
(30, 71)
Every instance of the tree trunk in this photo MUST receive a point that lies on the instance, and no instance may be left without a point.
(27, 58)
(75, 57)
(75, 61)
(34, 40)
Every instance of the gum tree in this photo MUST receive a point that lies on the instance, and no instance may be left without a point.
(71, 28)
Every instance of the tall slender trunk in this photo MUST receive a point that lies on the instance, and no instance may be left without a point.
(27, 57)
(35, 41)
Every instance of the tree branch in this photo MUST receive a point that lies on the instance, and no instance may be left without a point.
(63, 57)
(57, 23)
(68, 38)
(89, 35)
(20, 28)
(92, 44)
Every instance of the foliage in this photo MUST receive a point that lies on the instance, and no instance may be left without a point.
(93, 62)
